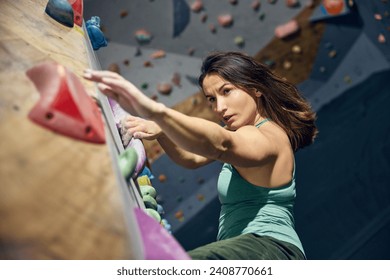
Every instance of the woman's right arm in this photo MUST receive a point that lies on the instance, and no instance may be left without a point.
(149, 130)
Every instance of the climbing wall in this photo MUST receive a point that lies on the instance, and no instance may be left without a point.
(58, 195)
(61, 197)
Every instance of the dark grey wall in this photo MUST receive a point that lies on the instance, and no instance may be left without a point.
(343, 203)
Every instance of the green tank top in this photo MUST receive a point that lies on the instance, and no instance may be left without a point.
(247, 208)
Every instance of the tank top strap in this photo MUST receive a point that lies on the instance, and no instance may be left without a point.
(262, 122)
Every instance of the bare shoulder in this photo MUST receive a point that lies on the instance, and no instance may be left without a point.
(269, 136)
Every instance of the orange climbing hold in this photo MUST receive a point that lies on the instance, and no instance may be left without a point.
(64, 106)
(333, 7)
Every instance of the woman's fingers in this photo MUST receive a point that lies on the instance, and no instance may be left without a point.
(128, 96)
(106, 90)
(97, 76)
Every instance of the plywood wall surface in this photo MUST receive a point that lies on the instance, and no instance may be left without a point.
(59, 198)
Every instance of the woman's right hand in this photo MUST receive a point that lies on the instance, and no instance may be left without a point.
(136, 127)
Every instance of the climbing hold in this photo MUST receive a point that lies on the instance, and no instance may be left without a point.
(140, 150)
(176, 79)
(96, 36)
(123, 13)
(154, 214)
(160, 209)
(347, 79)
(296, 49)
(194, 101)
(225, 20)
(272, 1)
(378, 16)
(158, 54)
(333, 7)
(239, 41)
(191, 51)
(381, 38)
(328, 45)
(138, 51)
(233, 2)
(203, 18)
(212, 28)
(292, 3)
(143, 36)
(144, 86)
(127, 162)
(61, 11)
(162, 178)
(200, 197)
(269, 62)
(148, 190)
(284, 30)
(287, 65)
(256, 5)
(332, 53)
(146, 172)
(113, 67)
(149, 202)
(164, 88)
(166, 225)
(77, 6)
(197, 6)
(126, 62)
(148, 64)
(64, 106)
(143, 180)
(179, 215)
(262, 16)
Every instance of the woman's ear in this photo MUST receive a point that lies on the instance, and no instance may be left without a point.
(258, 93)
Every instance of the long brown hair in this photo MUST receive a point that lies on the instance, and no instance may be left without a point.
(280, 100)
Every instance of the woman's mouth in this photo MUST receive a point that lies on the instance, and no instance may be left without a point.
(227, 118)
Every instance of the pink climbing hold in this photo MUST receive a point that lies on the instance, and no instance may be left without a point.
(287, 29)
(197, 6)
(225, 20)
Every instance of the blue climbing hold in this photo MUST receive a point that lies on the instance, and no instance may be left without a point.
(61, 11)
(146, 171)
(96, 36)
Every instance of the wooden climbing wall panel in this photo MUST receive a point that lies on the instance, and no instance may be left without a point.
(59, 198)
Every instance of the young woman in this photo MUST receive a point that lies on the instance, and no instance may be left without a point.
(265, 121)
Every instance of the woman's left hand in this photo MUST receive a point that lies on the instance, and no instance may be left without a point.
(128, 96)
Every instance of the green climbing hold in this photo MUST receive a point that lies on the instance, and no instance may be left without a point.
(148, 190)
(149, 202)
(154, 214)
(128, 161)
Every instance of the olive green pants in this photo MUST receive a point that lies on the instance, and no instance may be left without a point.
(248, 247)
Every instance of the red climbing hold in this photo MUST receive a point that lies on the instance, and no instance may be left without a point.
(64, 106)
(77, 6)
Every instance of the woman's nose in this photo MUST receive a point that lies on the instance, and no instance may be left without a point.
(220, 106)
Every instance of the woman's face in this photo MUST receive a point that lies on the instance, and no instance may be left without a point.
(233, 106)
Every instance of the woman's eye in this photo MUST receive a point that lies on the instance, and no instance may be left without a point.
(211, 99)
(226, 91)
